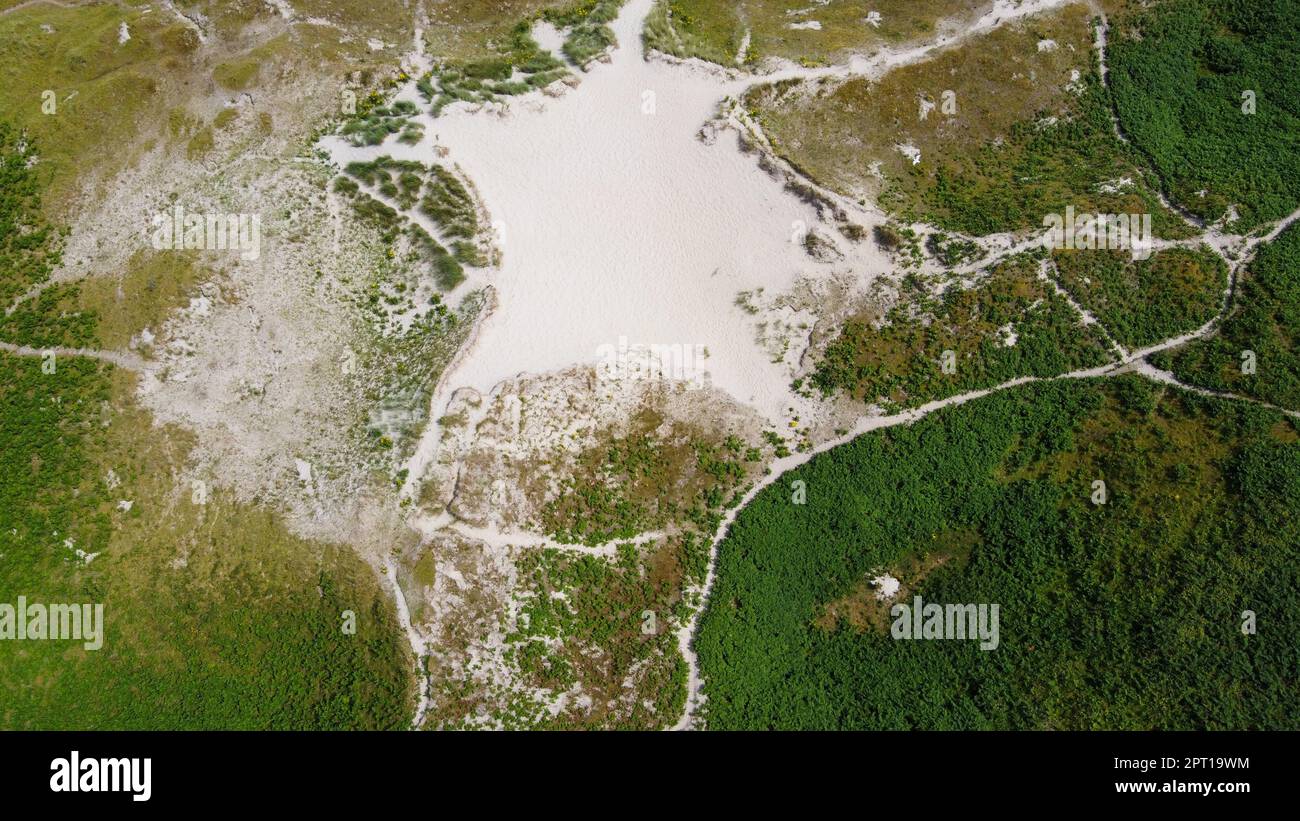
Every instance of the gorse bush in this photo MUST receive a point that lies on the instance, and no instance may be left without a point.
(1141, 302)
(1011, 324)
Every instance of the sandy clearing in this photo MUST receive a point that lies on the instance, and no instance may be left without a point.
(616, 221)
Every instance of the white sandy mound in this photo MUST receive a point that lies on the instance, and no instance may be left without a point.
(886, 587)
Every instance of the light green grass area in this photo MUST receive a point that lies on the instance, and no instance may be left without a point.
(1016, 127)
(716, 29)
(152, 286)
(104, 92)
(214, 615)
(114, 101)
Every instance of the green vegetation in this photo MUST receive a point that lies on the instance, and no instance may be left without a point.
(622, 488)
(1265, 320)
(1179, 70)
(30, 247)
(445, 200)
(952, 252)
(484, 80)
(677, 27)
(101, 89)
(374, 123)
(402, 361)
(512, 62)
(52, 318)
(448, 202)
(603, 627)
(583, 620)
(716, 29)
(473, 30)
(236, 75)
(377, 213)
(586, 22)
(1023, 132)
(399, 180)
(152, 285)
(1012, 323)
(1126, 614)
(1141, 302)
(97, 106)
(441, 196)
(523, 67)
(214, 616)
(447, 270)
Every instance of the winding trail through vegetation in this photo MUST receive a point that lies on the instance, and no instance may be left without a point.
(1128, 362)
(418, 644)
(1236, 250)
(122, 359)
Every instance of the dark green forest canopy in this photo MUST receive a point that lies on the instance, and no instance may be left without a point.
(1179, 71)
(1126, 614)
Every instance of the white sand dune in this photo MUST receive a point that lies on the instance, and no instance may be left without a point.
(616, 221)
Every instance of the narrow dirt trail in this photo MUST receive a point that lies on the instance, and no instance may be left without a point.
(1127, 362)
(122, 359)
(729, 89)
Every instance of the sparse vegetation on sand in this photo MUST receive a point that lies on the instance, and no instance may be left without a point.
(1009, 323)
(513, 63)
(590, 641)
(440, 195)
(619, 490)
(986, 137)
(717, 30)
(373, 125)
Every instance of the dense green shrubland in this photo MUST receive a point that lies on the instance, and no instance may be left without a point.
(1265, 320)
(1141, 302)
(1040, 168)
(30, 248)
(1121, 615)
(1178, 70)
